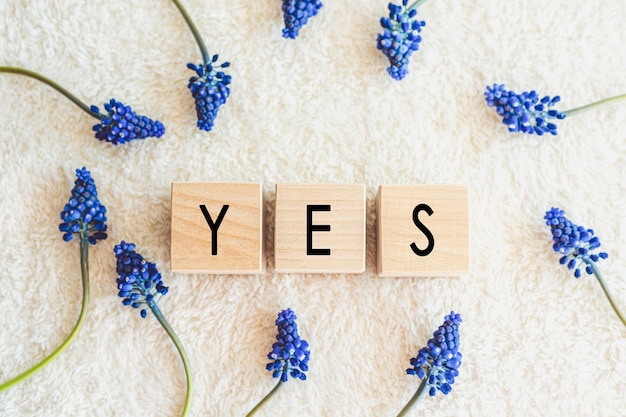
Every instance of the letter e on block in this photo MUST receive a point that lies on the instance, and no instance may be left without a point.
(320, 228)
(422, 230)
(217, 228)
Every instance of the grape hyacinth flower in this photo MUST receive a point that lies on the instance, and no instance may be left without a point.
(209, 87)
(290, 355)
(579, 249)
(528, 112)
(139, 283)
(83, 217)
(296, 14)
(437, 363)
(400, 37)
(120, 125)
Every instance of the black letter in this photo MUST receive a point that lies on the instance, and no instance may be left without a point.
(420, 225)
(214, 226)
(310, 228)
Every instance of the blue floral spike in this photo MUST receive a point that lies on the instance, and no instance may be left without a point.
(577, 244)
(528, 113)
(209, 88)
(139, 284)
(400, 37)
(83, 217)
(437, 364)
(121, 124)
(289, 355)
(83, 214)
(296, 13)
(579, 249)
(525, 112)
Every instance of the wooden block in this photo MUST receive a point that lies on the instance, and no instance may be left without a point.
(320, 228)
(217, 228)
(422, 230)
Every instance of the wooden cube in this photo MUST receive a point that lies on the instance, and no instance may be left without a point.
(217, 228)
(320, 228)
(422, 230)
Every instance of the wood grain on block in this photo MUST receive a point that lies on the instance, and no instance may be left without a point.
(320, 228)
(422, 230)
(217, 228)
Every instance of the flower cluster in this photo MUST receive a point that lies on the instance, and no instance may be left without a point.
(83, 211)
(439, 361)
(121, 124)
(139, 281)
(574, 242)
(290, 354)
(296, 13)
(210, 90)
(526, 112)
(401, 36)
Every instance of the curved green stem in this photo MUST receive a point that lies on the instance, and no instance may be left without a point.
(179, 346)
(415, 5)
(605, 288)
(196, 34)
(45, 80)
(421, 390)
(597, 103)
(84, 267)
(265, 399)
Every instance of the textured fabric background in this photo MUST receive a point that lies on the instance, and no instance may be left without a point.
(321, 108)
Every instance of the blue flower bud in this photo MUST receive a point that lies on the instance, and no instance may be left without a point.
(121, 125)
(400, 38)
(290, 353)
(136, 277)
(523, 112)
(575, 242)
(440, 359)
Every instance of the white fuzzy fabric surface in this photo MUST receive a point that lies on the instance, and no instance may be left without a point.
(322, 108)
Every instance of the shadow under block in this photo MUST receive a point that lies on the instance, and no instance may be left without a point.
(217, 228)
(422, 230)
(320, 228)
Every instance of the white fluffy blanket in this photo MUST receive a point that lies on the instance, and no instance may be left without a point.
(322, 108)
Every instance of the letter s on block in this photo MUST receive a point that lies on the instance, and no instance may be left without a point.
(423, 229)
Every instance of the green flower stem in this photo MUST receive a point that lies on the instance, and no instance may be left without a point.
(415, 5)
(421, 390)
(196, 34)
(596, 104)
(179, 346)
(265, 399)
(84, 267)
(605, 288)
(39, 77)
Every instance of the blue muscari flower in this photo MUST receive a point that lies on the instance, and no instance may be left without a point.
(296, 13)
(83, 212)
(401, 36)
(209, 88)
(525, 112)
(83, 216)
(121, 124)
(139, 281)
(579, 249)
(290, 354)
(438, 362)
(577, 244)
